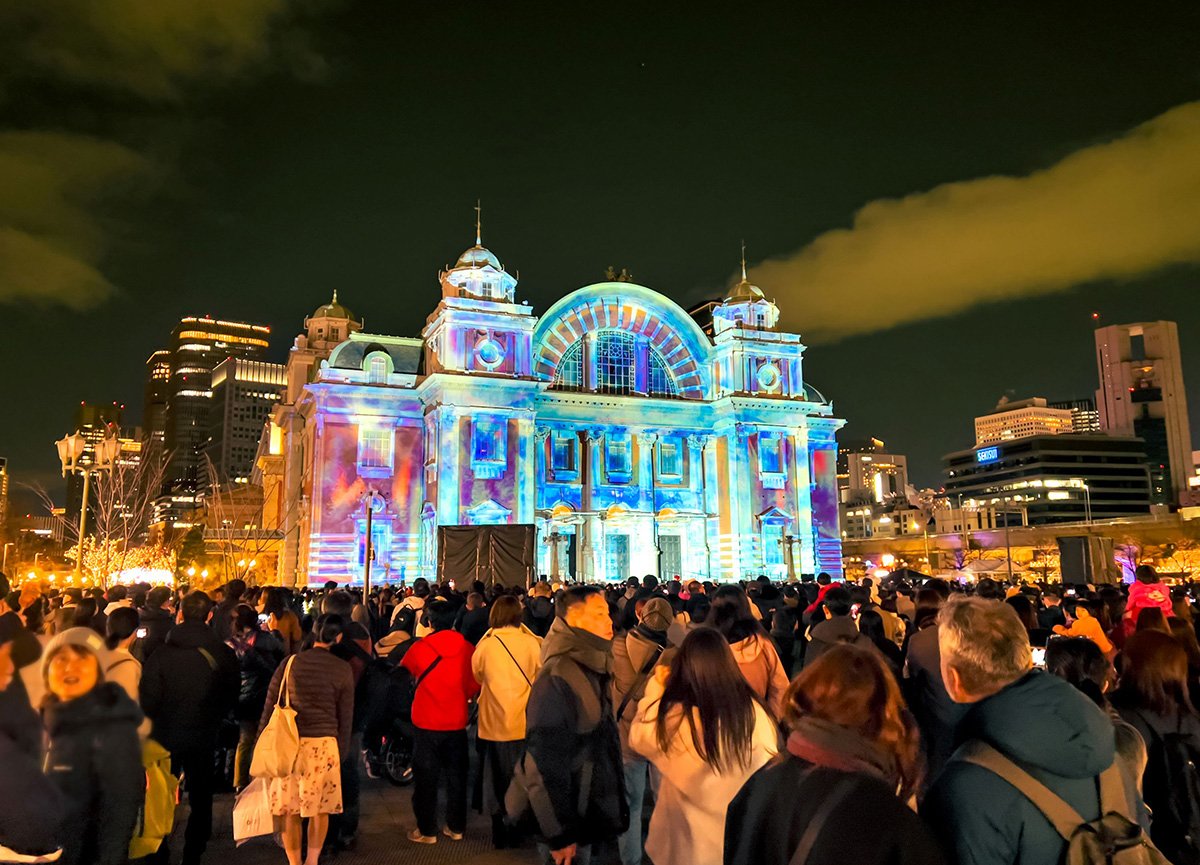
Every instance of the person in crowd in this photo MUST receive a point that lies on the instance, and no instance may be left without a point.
(635, 653)
(569, 725)
(852, 750)
(320, 688)
(836, 627)
(987, 665)
(695, 613)
(31, 807)
(1145, 593)
(936, 713)
(871, 625)
(156, 619)
(282, 620)
(1183, 631)
(121, 666)
(1153, 696)
(505, 663)
(94, 756)
(258, 654)
(784, 620)
(1051, 613)
(25, 649)
(1152, 619)
(222, 621)
(539, 609)
(189, 685)
(1087, 623)
(752, 647)
(705, 732)
(1080, 662)
(416, 603)
(441, 664)
(1028, 615)
(473, 618)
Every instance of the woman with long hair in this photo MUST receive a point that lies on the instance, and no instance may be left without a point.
(706, 732)
(852, 750)
(871, 625)
(281, 619)
(1153, 697)
(752, 648)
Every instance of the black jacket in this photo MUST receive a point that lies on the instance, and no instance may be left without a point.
(157, 623)
(823, 636)
(187, 693)
(539, 614)
(473, 624)
(95, 760)
(31, 808)
(571, 735)
(257, 662)
(772, 811)
(936, 714)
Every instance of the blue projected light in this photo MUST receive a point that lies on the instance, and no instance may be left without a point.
(987, 455)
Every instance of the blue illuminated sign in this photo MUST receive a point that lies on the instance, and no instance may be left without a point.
(987, 455)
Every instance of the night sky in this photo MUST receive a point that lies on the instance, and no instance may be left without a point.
(243, 158)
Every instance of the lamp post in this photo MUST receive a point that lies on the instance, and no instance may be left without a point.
(4, 566)
(71, 453)
(1087, 500)
(374, 502)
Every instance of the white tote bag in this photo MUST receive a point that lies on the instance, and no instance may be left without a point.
(252, 813)
(279, 745)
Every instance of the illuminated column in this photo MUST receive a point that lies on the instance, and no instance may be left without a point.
(803, 481)
(590, 463)
(293, 474)
(641, 370)
(712, 505)
(647, 541)
(697, 556)
(590, 377)
(449, 444)
(533, 470)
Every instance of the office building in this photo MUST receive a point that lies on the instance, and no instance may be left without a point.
(1085, 417)
(1016, 420)
(867, 473)
(1141, 394)
(244, 395)
(198, 344)
(1053, 478)
(154, 398)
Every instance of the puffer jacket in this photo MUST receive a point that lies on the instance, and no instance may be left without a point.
(632, 652)
(95, 760)
(1057, 735)
(258, 654)
(31, 807)
(188, 692)
(759, 662)
(571, 733)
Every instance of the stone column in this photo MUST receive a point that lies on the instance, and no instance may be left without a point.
(802, 479)
(647, 500)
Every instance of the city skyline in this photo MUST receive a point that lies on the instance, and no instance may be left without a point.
(339, 181)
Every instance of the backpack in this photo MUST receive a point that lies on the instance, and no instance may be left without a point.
(1111, 839)
(1172, 792)
(156, 818)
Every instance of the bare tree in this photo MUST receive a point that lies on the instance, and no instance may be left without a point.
(234, 521)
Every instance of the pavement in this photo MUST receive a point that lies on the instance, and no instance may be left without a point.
(387, 818)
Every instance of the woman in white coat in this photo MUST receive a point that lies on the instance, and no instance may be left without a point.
(706, 732)
(505, 663)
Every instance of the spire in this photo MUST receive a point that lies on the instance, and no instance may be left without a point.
(335, 292)
(478, 222)
(744, 261)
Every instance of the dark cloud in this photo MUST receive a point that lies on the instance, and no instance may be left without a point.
(1115, 210)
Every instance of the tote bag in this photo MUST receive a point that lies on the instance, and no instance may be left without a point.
(279, 745)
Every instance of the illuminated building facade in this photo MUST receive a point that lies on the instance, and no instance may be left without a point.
(1027, 417)
(244, 395)
(632, 440)
(1142, 394)
(154, 398)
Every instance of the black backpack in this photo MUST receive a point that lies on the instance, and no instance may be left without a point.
(1172, 792)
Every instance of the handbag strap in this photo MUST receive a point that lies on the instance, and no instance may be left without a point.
(285, 696)
(640, 681)
(809, 839)
(1057, 810)
(421, 678)
(524, 675)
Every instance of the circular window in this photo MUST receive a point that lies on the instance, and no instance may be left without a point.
(768, 377)
(489, 353)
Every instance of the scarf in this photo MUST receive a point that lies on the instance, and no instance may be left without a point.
(833, 746)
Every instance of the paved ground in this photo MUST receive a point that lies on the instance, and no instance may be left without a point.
(386, 819)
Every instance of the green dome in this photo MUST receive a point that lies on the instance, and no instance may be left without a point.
(333, 309)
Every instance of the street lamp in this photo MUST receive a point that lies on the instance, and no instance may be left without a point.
(71, 452)
(4, 566)
(375, 504)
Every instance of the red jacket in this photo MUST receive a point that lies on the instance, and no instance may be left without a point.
(441, 700)
(812, 608)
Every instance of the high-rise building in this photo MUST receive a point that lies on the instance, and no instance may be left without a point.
(1015, 420)
(1141, 394)
(868, 473)
(1053, 478)
(154, 405)
(244, 394)
(197, 346)
(95, 422)
(1085, 417)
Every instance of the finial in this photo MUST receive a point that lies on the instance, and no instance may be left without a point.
(478, 221)
(744, 261)
(335, 295)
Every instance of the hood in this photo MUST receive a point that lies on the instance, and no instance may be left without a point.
(583, 647)
(747, 650)
(448, 643)
(107, 703)
(508, 629)
(1043, 721)
(191, 635)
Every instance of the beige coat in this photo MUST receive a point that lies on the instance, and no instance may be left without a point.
(505, 680)
(759, 662)
(688, 826)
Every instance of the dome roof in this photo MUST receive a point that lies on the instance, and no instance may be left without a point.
(333, 309)
(478, 256)
(744, 290)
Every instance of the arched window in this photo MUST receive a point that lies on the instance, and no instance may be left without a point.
(616, 366)
(377, 370)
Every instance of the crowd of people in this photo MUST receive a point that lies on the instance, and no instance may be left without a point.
(689, 723)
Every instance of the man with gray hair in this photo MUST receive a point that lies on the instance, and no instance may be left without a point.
(1037, 721)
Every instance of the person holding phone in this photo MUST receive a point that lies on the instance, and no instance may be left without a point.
(121, 666)
(258, 654)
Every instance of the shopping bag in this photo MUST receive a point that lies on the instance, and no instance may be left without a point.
(279, 744)
(252, 813)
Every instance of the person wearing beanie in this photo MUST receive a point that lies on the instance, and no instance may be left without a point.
(94, 756)
(635, 654)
